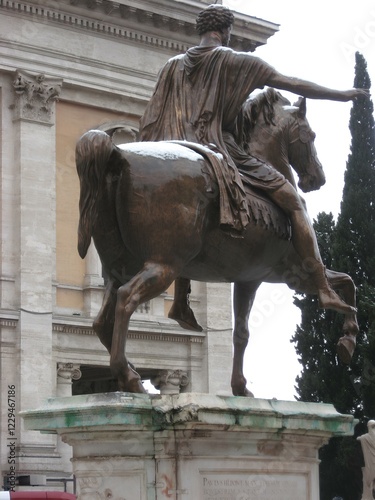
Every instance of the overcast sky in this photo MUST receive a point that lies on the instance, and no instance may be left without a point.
(316, 41)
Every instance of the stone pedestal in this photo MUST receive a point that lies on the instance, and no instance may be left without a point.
(191, 446)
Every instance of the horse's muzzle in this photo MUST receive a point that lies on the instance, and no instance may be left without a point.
(309, 182)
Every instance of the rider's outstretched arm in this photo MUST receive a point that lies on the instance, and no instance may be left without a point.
(312, 90)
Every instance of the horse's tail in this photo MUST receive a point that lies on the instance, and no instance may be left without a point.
(93, 152)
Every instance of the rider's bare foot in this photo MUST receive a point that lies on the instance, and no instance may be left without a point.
(184, 317)
(345, 348)
(328, 299)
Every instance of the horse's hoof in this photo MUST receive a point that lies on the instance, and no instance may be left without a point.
(345, 348)
(131, 382)
(245, 393)
(134, 386)
(137, 387)
(185, 318)
(189, 326)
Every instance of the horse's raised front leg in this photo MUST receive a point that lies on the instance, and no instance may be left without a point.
(152, 280)
(243, 299)
(344, 284)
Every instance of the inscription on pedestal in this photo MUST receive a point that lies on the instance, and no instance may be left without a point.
(224, 486)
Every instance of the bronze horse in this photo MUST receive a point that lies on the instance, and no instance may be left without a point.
(147, 209)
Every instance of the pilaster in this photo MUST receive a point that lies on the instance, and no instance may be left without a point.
(218, 305)
(34, 173)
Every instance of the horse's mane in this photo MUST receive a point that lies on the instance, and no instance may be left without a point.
(263, 104)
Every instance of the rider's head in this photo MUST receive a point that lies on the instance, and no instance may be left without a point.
(215, 18)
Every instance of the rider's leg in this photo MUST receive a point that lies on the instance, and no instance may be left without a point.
(305, 244)
(181, 310)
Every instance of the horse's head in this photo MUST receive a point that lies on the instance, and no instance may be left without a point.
(301, 149)
(279, 133)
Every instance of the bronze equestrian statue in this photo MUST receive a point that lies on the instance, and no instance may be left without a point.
(153, 218)
(166, 212)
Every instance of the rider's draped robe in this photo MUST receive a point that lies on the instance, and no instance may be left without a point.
(197, 98)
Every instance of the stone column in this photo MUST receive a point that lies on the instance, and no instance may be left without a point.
(218, 302)
(66, 373)
(35, 222)
(170, 381)
(93, 283)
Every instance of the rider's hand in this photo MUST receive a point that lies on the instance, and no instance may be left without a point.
(353, 93)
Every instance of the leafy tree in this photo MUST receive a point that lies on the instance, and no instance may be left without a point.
(349, 247)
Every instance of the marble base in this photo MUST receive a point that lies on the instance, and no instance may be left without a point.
(191, 446)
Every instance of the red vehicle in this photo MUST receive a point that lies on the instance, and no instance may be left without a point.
(36, 495)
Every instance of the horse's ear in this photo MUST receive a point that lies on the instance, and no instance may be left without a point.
(301, 107)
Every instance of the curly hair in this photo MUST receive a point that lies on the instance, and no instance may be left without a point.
(214, 18)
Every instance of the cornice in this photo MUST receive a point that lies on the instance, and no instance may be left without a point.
(165, 24)
(9, 318)
(8, 322)
(138, 330)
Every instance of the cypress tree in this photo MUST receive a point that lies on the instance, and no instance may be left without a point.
(348, 246)
(354, 240)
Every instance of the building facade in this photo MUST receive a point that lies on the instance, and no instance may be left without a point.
(66, 67)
